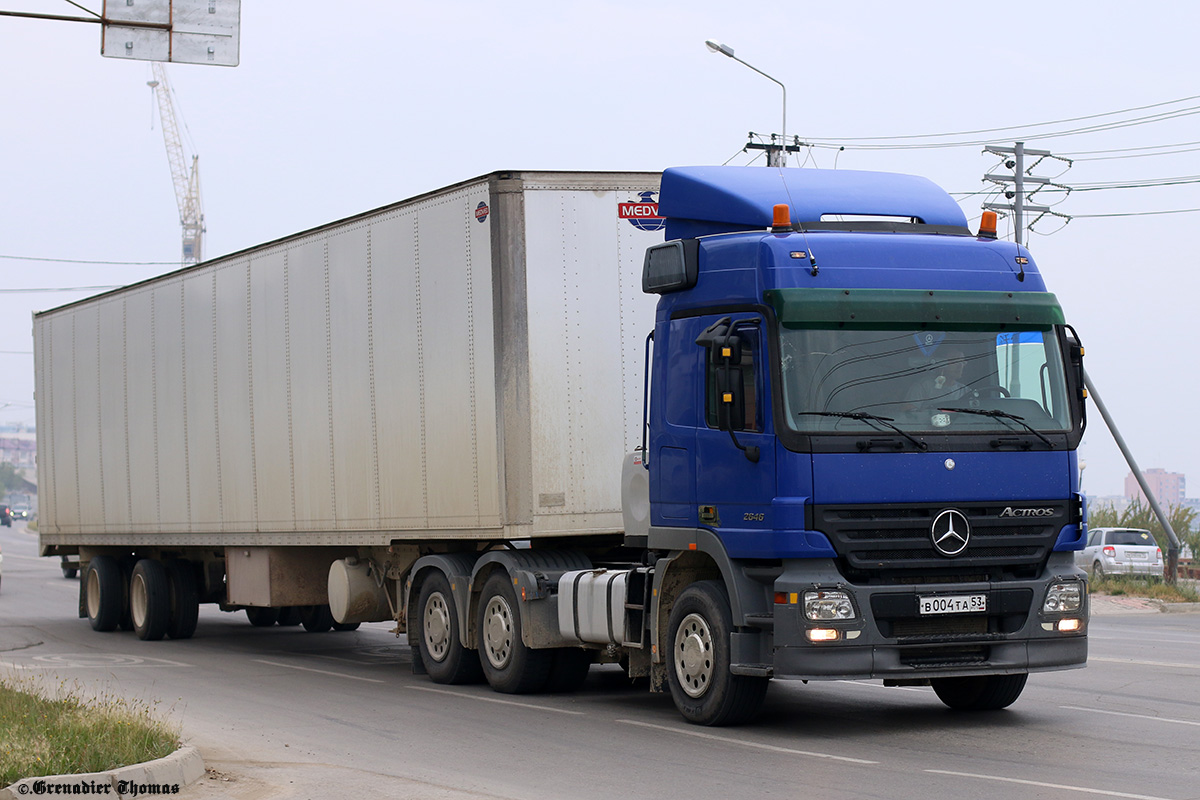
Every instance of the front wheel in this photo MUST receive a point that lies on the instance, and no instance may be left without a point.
(1098, 571)
(509, 665)
(704, 689)
(979, 692)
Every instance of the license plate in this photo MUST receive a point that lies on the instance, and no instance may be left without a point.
(1135, 555)
(952, 604)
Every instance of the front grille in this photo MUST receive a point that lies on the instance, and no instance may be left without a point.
(892, 541)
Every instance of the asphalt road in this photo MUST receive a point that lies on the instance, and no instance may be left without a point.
(281, 713)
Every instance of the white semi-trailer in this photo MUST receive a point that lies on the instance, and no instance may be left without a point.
(839, 447)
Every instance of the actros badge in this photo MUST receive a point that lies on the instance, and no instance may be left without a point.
(950, 532)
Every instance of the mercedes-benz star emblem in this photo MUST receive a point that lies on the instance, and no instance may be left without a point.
(950, 532)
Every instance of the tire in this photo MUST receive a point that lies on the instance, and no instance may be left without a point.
(185, 599)
(289, 616)
(509, 666)
(346, 626)
(570, 669)
(316, 619)
(1098, 571)
(979, 692)
(445, 658)
(104, 593)
(149, 599)
(261, 616)
(127, 565)
(702, 686)
(69, 572)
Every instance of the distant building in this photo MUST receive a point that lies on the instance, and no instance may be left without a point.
(1169, 488)
(19, 451)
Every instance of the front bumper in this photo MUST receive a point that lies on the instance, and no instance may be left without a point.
(890, 639)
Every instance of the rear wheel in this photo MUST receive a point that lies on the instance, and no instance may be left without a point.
(509, 665)
(979, 692)
(316, 619)
(185, 599)
(104, 594)
(261, 617)
(346, 626)
(1098, 571)
(149, 599)
(704, 689)
(445, 658)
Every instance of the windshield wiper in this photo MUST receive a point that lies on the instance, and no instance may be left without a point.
(862, 415)
(990, 412)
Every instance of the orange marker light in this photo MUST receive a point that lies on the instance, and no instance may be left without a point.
(987, 225)
(782, 216)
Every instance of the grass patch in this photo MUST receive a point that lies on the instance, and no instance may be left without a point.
(62, 732)
(1131, 586)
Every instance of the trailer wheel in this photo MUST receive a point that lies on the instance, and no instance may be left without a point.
(104, 593)
(316, 619)
(508, 665)
(346, 626)
(569, 670)
(262, 616)
(979, 692)
(702, 686)
(446, 659)
(149, 599)
(185, 599)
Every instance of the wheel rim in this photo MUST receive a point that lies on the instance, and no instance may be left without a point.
(497, 632)
(437, 627)
(137, 601)
(93, 594)
(694, 655)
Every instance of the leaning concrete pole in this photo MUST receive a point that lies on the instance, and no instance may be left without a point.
(1173, 550)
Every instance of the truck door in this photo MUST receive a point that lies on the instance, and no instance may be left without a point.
(735, 452)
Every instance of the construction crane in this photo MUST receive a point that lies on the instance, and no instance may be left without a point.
(187, 182)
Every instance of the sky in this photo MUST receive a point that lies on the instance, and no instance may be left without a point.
(337, 108)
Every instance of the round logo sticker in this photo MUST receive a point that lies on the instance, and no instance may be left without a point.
(481, 211)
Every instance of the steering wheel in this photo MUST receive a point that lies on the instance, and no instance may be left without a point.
(993, 390)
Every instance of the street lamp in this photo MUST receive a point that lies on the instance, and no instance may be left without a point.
(726, 50)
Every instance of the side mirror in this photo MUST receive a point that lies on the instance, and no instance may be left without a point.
(731, 399)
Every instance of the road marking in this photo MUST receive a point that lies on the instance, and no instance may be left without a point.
(757, 745)
(483, 699)
(1080, 789)
(889, 688)
(1134, 716)
(319, 671)
(1169, 664)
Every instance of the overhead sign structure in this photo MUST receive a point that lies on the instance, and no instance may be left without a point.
(180, 31)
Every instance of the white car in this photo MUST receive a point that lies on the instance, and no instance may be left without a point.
(1121, 551)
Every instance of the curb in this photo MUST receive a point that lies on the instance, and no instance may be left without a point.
(183, 767)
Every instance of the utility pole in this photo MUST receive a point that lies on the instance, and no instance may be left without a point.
(1018, 208)
(776, 154)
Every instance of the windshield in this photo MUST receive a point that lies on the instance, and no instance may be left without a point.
(924, 381)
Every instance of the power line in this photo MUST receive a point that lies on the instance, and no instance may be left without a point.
(61, 289)
(1138, 213)
(85, 261)
(1012, 127)
(1128, 149)
(1107, 126)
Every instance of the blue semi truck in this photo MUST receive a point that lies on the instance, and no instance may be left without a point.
(853, 424)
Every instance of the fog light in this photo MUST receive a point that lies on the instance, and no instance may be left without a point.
(1069, 625)
(823, 635)
(1063, 598)
(828, 605)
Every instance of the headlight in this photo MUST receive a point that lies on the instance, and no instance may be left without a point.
(828, 605)
(1063, 598)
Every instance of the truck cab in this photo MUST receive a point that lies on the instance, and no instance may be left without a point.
(863, 423)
